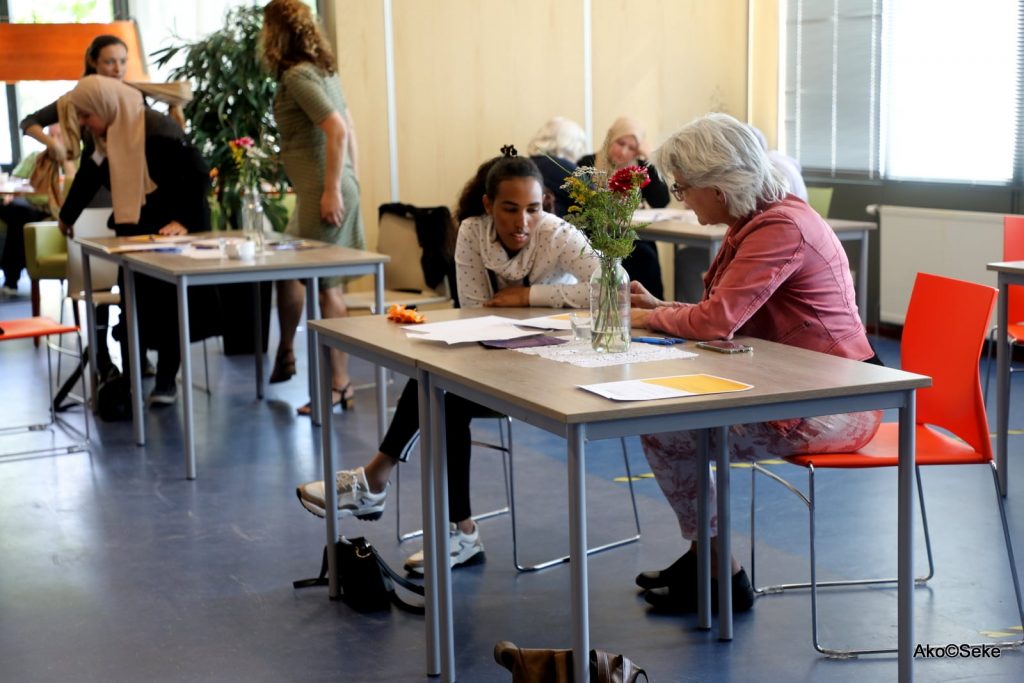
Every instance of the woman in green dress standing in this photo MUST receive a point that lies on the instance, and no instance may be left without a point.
(318, 149)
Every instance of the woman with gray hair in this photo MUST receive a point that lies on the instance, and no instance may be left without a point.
(781, 275)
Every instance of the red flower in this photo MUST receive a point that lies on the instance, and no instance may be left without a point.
(625, 179)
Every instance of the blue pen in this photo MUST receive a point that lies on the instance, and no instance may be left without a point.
(660, 341)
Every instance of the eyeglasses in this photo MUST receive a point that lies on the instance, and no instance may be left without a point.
(679, 191)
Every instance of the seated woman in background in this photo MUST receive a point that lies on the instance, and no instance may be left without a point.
(559, 137)
(554, 148)
(781, 275)
(624, 146)
(509, 252)
(158, 183)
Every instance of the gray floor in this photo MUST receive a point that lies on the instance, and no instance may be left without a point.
(113, 567)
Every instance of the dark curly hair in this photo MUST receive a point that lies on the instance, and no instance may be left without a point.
(471, 201)
(487, 178)
(291, 36)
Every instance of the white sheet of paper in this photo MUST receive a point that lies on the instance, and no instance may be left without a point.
(485, 328)
(559, 321)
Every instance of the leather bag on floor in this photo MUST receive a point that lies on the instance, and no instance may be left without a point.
(555, 666)
(367, 582)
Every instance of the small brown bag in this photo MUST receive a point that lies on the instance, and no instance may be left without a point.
(555, 666)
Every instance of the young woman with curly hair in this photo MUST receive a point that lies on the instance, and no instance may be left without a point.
(318, 149)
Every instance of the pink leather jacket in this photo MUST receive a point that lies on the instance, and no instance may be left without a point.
(781, 275)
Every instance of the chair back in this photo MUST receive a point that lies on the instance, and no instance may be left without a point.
(1013, 250)
(45, 252)
(945, 328)
(92, 223)
(820, 199)
(397, 238)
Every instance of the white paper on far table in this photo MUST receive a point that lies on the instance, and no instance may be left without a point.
(484, 328)
(559, 321)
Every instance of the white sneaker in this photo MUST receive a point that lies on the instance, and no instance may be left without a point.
(463, 549)
(354, 496)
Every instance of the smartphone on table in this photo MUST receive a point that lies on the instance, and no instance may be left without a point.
(722, 346)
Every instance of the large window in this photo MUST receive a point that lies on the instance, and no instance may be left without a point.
(904, 89)
(32, 95)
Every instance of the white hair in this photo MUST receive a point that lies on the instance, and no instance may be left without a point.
(559, 137)
(718, 151)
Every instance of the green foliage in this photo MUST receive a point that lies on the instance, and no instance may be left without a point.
(233, 97)
(603, 207)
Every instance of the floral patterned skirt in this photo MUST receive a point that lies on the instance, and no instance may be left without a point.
(673, 455)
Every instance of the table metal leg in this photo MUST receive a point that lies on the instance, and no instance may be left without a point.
(430, 526)
(131, 313)
(186, 379)
(92, 373)
(1002, 383)
(905, 539)
(312, 313)
(381, 373)
(578, 552)
(724, 534)
(862, 277)
(436, 555)
(257, 341)
(703, 533)
(329, 466)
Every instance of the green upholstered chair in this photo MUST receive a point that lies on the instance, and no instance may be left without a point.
(820, 199)
(46, 257)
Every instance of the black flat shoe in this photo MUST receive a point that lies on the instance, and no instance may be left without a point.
(680, 600)
(681, 572)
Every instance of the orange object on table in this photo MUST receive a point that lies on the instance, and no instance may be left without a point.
(409, 316)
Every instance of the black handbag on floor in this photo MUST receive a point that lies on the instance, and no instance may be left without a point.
(367, 582)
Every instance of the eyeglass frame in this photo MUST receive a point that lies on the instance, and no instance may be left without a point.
(679, 191)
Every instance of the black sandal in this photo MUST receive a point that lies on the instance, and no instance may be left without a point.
(343, 400)
(284, 367)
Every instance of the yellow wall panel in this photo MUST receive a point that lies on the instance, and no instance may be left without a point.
(765, 63)
(472, 75)
(667, 62)
(359, 29)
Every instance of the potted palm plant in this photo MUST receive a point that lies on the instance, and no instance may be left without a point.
(233, 97)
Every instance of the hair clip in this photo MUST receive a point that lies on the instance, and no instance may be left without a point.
(509, 151)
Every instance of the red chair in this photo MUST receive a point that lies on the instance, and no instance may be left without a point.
(36, 328)
(1013, 250)
(953, 403)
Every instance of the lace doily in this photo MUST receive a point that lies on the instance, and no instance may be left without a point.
(582, 354)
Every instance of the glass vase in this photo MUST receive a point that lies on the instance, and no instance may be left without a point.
(609, 307)
(252, 216)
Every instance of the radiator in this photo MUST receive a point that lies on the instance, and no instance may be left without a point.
(956, 244)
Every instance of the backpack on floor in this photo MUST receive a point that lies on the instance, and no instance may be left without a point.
(367, 582)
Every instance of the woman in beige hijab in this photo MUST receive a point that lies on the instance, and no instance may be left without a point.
(158, 183)
(624, 145)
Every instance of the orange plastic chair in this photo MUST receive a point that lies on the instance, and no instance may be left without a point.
(1013, 250)
(954, 403)
(36, 328)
